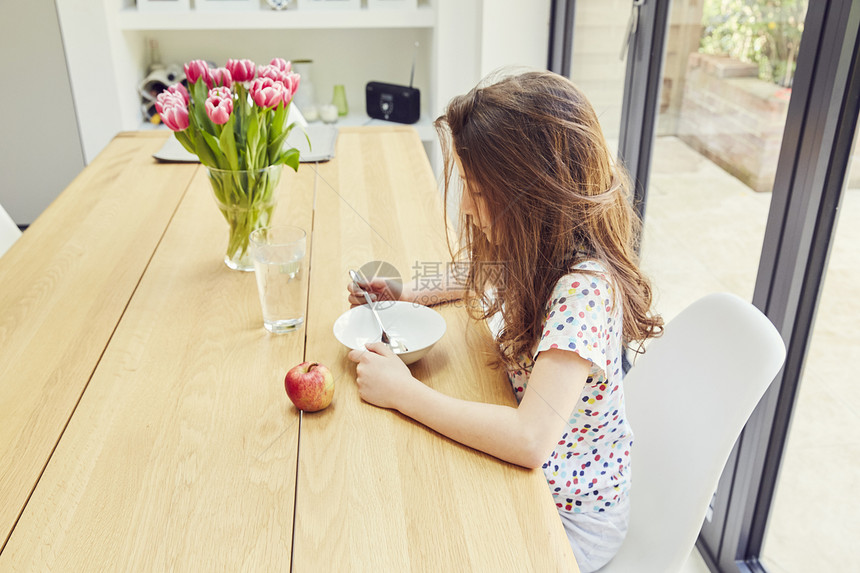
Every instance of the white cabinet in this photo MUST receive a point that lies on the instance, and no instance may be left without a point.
(349, 47)
(106, 50)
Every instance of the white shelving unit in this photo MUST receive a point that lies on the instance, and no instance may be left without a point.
(350, 47)
(105, 48)
(266, 19)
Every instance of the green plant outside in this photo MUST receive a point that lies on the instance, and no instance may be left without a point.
(763, 32)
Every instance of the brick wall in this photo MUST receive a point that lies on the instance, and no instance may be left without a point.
(733, 118)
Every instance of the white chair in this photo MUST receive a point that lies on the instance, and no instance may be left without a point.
(9, 231)
(688, 397)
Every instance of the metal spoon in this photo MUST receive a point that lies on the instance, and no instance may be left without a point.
(396, 345)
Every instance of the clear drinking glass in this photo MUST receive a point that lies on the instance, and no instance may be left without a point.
(280, 263)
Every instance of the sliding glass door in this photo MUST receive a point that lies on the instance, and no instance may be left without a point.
(737, 119)
(720, 120)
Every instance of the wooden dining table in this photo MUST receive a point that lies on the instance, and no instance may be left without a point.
(144, 424)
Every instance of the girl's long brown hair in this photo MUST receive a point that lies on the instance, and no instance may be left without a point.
(532, 146)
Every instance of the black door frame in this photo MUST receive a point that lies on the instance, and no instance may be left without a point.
(645, 54)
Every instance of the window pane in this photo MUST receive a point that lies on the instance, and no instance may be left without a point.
(815, 519)
(596, 64)
(725, 93)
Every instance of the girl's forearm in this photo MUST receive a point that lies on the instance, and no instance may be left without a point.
(430, 294)
(493, 429)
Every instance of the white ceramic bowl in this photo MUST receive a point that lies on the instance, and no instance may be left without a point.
(419, 327)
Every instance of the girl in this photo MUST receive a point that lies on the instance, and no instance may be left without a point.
(543, 200)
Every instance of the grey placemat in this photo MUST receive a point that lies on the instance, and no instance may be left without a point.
(322, 142)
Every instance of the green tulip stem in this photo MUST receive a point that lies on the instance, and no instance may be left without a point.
(247, 200)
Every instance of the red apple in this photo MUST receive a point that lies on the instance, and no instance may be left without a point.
(310, 386)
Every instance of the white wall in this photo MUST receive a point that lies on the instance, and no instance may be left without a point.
(474, 38)
(515, 33)
(40, 150)
(457, 46)
(92, 71)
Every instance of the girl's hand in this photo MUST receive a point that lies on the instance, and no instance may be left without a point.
(378, 289)
(383, 379)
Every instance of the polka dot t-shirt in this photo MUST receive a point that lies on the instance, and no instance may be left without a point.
(589, 469)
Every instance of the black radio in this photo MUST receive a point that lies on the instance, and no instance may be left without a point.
(392, 102)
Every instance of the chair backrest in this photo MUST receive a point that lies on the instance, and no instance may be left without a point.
(688, 398)
(9, 231)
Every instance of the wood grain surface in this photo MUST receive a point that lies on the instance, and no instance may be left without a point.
(62, 291)
(377, 491)
(182, 452)
(143, 402)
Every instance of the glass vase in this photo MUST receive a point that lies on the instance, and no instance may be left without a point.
(247, 199)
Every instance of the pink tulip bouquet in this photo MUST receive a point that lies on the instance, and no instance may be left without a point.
(234, 119)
